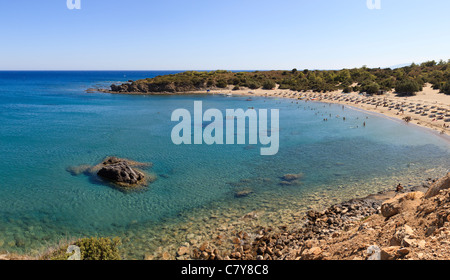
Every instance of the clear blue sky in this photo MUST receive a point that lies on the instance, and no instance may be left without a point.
(220, 34)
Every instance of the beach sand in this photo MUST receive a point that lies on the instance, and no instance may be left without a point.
(428, 108)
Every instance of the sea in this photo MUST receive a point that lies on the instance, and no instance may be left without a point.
(49, 123)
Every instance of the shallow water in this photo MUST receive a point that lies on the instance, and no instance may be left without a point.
(49, 123)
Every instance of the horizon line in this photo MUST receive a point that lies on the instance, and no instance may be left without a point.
(199, 70)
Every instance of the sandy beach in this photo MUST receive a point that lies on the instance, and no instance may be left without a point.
(428, 108)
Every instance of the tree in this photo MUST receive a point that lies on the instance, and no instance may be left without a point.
(269, 84)
(253, 85)
(344, 76)
(371, 88)
(222, 84)
(347, 89)
(446, 88)
(408, 87)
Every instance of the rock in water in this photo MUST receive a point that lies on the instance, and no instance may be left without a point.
(121, 173)
(292, 177)
(243, 193)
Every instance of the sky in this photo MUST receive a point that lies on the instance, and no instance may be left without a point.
(221, 34)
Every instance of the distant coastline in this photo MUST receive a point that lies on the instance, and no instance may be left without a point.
(418, 94)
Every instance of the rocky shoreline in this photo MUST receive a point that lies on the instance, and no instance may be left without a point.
(411, 223)
(359, 229)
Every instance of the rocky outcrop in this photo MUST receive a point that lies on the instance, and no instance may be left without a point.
(400, 203)
(441, 184)
(122, 173)
(384, 226)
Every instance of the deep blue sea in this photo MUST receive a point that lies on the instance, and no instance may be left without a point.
(49, 123)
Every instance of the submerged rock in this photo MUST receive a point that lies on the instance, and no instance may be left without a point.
(243, 193)
(122, 173)
(292, 177)
(78, 170)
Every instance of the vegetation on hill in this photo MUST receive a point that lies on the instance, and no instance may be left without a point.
(406, 80)
(90, 249)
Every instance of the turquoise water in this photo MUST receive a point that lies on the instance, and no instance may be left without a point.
(49, 123)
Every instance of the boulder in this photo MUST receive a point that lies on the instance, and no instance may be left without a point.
(401, 202)
(441, 184)
(315, 253)
(183, 250)
(121, 173)
(404, 236)
(393, 253)
(389, 253)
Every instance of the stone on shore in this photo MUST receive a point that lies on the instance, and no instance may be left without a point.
(441, 184)
(393, 253)
(400, 203)
(315, 253)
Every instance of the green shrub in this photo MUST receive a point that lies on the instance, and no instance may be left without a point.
(269, 84)
(347, 89)
(236, 87)
(99, 248)
(446, 88)
(222, 84)
(90, 249)
(253, 85)
(371, 88)
(284, 86)
(408, 87)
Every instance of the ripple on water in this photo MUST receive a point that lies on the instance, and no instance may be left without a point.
(197, 196)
